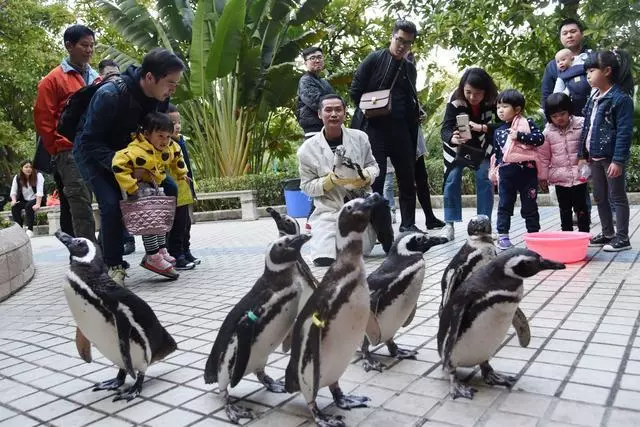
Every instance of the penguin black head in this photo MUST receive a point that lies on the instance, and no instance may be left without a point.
(83, 251)
(287, 226)
(355, 214)
(410, 243)
(521, 263)
(284, 251)
(479, 225)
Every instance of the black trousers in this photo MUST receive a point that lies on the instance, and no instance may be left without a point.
(422, 189)
(179, 233)
(396, 139)
(16, 212)
(66, 222)
(518, 179)
(572, 199)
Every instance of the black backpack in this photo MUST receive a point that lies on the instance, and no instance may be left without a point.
(71, 117)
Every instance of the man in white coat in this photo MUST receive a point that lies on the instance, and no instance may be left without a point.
(317, 180)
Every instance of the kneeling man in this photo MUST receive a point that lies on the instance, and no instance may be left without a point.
(317, 180)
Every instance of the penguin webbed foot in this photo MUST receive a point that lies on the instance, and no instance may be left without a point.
(492, 377)
(325, 420)
(274, 386)
(112, 384)
(460, 390)
(370, 364)
(347, 401)
(400, 353)
(132, 392)
(236, 413)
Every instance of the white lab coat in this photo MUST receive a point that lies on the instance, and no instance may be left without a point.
(315, 160)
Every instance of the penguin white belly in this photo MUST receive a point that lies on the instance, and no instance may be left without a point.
(480, 342)
(394, 315)
(272, 335)
(345, 333)
(102, 333)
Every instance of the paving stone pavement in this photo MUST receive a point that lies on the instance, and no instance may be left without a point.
(581, 368)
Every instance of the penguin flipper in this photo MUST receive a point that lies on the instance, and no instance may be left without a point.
(244, 335)
(83, 345)
(123, 326)
(411, 316)
(305, 271)
(452, 332)
(373, 330)
(521, 325)
(286, 343)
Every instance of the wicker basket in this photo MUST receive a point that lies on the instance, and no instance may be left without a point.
(149, 215)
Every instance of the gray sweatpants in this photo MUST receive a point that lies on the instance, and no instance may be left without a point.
(608, 192)
(78, 195)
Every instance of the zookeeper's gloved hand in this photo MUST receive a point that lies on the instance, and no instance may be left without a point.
(327, 181)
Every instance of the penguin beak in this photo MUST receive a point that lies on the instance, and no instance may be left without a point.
(274, 213)
(299, 240)
(64, 237)
(372, 201)
(547, 264)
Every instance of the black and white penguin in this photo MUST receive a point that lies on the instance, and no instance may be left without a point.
(344, 167)
(288, 226)
(477, 316)
(395, 287)
(118, 322)
(478, 251)
(334, 319)
(257, 324)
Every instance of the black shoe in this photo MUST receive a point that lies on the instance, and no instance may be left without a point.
(599, 240)
(189, 257)
(323, 262)
(435, 223)
(617, 244)
(129, 248)
(183, 264)
(125, 265)
(413, 228)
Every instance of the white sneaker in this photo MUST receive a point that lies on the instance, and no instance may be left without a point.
(448, 232)
(29, 233)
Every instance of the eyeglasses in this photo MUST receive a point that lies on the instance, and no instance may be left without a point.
(403, 42)
(315, 58)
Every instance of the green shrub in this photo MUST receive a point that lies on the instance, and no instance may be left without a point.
(269, 189)
(633, 170)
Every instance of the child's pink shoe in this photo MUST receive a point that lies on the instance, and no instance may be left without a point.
(165, 254)
(158, 264)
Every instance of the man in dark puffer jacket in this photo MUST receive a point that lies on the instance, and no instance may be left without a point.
(311, 89)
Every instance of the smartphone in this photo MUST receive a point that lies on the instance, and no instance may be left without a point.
(462, 120)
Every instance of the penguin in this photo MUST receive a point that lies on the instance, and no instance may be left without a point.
(334, 319)
(257, 324)
(344, 167)
(476, 318)
(118, 322)
(394, 288)
(476, 252)
(288, 226)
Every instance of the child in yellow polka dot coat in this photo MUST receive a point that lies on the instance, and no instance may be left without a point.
(146, 160)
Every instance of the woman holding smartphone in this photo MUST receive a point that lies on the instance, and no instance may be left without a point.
(467, 142)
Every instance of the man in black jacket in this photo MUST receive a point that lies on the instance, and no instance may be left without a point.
(114, 113)
(394, 135)
(311, 89)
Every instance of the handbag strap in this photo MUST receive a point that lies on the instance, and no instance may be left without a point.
(386, 71)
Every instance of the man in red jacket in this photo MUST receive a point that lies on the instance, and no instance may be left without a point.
(54, 89)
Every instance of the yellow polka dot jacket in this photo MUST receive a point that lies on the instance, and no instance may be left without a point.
(140, 154)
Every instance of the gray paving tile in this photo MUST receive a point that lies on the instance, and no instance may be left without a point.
(458, 413)
(578, 413)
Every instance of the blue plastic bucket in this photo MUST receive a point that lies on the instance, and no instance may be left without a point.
(298, 204)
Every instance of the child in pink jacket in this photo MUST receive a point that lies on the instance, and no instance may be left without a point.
(559, 154)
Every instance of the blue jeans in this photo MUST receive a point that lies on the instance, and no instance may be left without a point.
(453, 193)
(388, 190)
(107, 192)
(518, 179)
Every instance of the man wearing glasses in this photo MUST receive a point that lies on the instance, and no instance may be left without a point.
(311, 89)
(393, 135)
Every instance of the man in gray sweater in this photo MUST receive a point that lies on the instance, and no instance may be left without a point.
(311, 89)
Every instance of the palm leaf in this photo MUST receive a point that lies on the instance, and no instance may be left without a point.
(133, 21)
(201, 40)
(291, 49)
(121, 58)
(309, 10)
(227, 40)
(178, 16)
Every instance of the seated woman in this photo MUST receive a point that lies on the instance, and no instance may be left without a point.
(27, 191)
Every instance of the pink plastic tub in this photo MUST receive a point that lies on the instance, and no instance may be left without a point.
(559, 246)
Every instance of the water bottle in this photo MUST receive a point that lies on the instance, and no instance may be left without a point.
(584, 172)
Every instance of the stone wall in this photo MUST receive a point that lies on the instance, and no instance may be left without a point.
(16, 260)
